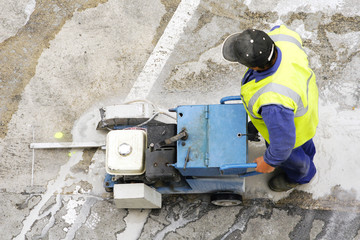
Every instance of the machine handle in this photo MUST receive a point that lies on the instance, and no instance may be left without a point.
(229, 98)
(249, 174)
(242, 165)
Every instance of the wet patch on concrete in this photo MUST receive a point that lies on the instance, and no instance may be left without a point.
(209, 78)
(81, 187)
(11, 214)
(338, 200)
(83, 165)
(329, 60)
(170, 8)
(48, 205)
(240, 12)
(205, 18)
(177, 215)
(257, 217)
(320, 43)
(204, 65)
(20, 53)
(103, 213)
(29, 202)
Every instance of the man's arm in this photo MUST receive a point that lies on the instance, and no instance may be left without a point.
(281, 127)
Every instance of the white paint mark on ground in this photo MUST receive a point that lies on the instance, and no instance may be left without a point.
(29, 9)
(163, 50)
(136, 219)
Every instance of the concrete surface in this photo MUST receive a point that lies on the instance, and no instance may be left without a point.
(60, 61)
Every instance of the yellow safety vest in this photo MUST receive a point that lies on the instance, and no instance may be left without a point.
(293, 86)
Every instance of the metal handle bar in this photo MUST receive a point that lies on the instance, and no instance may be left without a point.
(229, 98)
(242, 165)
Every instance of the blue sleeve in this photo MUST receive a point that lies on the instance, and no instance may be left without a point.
(275, 27)
(280, 124)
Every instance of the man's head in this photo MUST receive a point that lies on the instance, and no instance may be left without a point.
(252, 48)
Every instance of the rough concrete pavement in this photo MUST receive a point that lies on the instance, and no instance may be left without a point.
(62, 60)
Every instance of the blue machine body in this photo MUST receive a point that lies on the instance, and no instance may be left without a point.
(216, 137)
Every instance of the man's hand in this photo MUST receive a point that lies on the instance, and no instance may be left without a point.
(262, 166)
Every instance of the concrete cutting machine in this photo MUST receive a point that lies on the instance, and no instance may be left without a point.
(204, 150)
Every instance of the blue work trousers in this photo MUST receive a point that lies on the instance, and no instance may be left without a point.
(299, 167)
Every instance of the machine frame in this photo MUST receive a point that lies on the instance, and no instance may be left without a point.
(206, 151)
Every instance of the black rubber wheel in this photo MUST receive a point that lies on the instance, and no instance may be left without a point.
(226, 199)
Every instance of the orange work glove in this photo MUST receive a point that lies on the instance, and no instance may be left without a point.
(262, 166)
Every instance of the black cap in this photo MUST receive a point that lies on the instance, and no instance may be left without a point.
(252, 48)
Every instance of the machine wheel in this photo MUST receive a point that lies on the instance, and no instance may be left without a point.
(226, 199)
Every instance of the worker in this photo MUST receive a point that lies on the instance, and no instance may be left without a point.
(280, 95)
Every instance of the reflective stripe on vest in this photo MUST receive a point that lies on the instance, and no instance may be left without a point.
(286, 38)
(283, 90)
